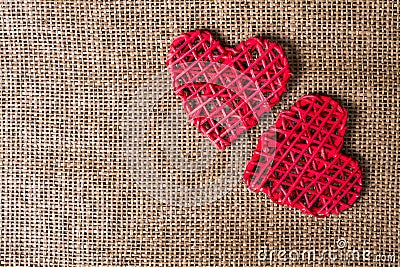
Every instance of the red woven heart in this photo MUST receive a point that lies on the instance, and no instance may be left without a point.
(225, 90)
(298, 161)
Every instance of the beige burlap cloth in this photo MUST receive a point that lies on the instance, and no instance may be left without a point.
(69, 73)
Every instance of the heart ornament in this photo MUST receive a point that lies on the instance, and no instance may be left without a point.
(225, 90)
(298, 162)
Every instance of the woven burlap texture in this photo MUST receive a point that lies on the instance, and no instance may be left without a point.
(68, 74)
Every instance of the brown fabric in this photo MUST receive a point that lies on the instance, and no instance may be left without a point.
(69, 71)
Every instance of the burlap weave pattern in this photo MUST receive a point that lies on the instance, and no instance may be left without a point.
(68, 73)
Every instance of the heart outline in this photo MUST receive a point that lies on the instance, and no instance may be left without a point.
(299, 186)
(268, 69)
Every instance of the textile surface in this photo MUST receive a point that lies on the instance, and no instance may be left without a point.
(69, 73)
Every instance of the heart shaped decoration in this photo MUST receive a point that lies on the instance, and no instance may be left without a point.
(298, 163)
(225, 90)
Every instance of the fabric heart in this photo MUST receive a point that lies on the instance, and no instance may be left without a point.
(298, 162)
(225, 90)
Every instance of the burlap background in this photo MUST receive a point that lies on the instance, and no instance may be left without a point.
(68, 71)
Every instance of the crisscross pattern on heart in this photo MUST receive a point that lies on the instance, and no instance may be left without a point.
(298, 161)
(224, 116)
(202, 68)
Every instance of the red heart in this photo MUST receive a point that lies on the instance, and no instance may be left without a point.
(298, 162)
(225, 90)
